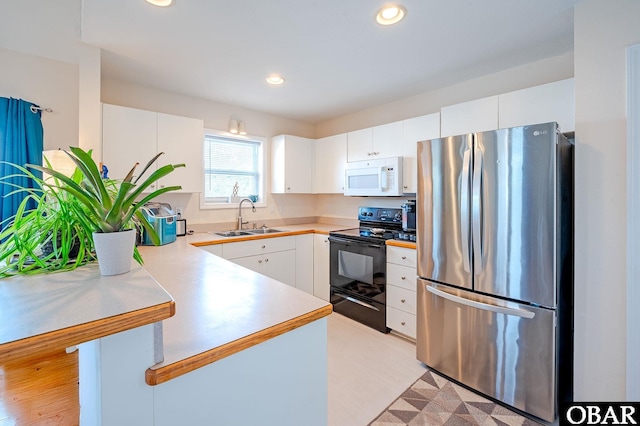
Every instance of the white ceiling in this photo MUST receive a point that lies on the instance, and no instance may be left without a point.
(335, 58)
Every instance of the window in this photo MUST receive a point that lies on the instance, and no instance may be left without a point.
(233, 167)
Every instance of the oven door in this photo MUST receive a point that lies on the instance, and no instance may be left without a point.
(358, 280)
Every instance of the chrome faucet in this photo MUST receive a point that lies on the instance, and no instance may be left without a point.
(240, 222)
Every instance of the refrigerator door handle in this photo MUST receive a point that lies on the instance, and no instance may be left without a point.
(464, 210)
(479, 305)
(476, 211)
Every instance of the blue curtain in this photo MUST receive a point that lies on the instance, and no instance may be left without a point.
(21, 142)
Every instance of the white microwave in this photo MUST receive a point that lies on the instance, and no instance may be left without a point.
(379, 178)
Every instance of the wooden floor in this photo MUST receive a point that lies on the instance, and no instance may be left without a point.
(42, 390)
(367, 371)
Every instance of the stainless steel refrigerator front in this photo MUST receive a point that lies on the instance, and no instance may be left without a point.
(490, 214)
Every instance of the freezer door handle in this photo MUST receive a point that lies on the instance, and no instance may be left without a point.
(479, 305)
(464, 210)
(477, 211)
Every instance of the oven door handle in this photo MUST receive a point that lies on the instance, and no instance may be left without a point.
(333, 238)
(359, 302)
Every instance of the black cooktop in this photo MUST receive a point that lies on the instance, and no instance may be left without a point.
(376, 224)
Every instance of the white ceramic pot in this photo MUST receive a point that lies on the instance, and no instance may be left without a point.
(114, 251)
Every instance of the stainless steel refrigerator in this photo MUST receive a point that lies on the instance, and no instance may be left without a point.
(495, 264)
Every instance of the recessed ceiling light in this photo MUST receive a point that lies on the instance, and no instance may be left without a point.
(275, 79)
(161, 3)
(390, 14)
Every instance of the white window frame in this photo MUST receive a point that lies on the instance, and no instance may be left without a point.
(262, 202)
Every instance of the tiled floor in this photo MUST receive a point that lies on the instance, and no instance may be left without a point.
(434, 400)
(368, 370)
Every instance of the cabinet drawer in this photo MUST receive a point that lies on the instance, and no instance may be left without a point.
(401, 256)
(402, 322)
(260, 246)
(401, 276)
(401, 298)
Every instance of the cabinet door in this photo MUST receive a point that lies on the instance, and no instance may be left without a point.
(360, 144)
(540, 104)
(468, 117)
(291, 165)
(414, 130)
(213, 249)
(304, 263)
(254, 263)
(181, 139)
(281, 266)
(387, 140)
(321, 266)
(298, 165)
(330, 163)
(128, 136)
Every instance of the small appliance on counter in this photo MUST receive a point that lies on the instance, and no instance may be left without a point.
(162, 219)
(408, 221)
(181, 226)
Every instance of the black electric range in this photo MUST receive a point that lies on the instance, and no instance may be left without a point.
(358, 266)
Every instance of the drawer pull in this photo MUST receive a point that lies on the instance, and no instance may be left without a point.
(402, 300)
(404, 257)
(404, 278)
(266, 260)
(264, 246)
(403, 323)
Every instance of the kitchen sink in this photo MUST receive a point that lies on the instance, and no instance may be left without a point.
(231, 233)
(264, 231)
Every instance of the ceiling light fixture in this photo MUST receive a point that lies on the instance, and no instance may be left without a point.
(275, 79)
(161, 3)
(390, 14)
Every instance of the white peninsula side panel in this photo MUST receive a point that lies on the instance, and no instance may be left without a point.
(282, 381)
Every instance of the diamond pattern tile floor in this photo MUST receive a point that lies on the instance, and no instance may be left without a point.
(435, 401)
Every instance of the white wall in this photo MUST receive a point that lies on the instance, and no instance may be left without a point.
(603, 30)
(533, 74)
(48, 83)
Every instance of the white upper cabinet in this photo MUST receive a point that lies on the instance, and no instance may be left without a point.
(132, 135)
(330, 162)
(291, 165)
(414, 130)
(375, 142)
(468, 117)
(360, 144)
(128, 136)
(181, 140)
(540, 104)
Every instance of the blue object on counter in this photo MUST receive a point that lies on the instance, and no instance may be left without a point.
(105, 172)
(162, 219)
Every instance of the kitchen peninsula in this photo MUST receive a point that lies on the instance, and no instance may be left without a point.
(235, 347)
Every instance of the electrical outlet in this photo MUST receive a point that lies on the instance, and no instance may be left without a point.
(179, 211)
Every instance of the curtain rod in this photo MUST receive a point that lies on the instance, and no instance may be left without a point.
(34, 109)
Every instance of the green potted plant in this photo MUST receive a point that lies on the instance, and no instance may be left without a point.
(105, 209)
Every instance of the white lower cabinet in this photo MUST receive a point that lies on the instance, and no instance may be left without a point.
(273, 257)
(213, 249)
(304, 263)
(321, 266)
(401, 290)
